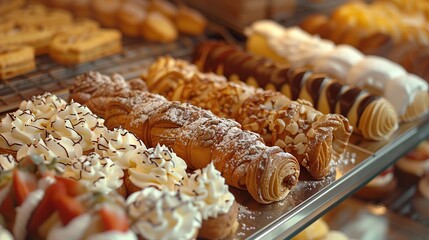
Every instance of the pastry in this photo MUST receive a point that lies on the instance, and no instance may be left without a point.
(43, 106)
(294, 126)
(189, 21)
(10, 5)
(166, 8)
(406, 92)
(239, 155)
(81, 8)
(94, 89)
(159, 28)
(411, 167)
(106, 11)
(35, 15)
(37, 38)
(379, 187)
(64, 4)
(131, 16)
(371, 116)
(83, 47)
(162, 214)
(215, 203)
(7, 163)
(420, 200)
(157, 167)
(16, 60)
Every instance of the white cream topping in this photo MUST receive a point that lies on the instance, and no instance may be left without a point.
(63, 147)
(424, 187)
(114, 235)
(159, 167)
(416, 167)
(338, 62)
(38, 147)
(73, 231)
(7, 162)
(97, 173)
(20, 128)
(44, 106)
(77, 123)
(162, 214)
(121, 146)
(381, 180)
(209, 192)
(5, 234)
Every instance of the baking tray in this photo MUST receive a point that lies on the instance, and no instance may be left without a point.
(306, 202)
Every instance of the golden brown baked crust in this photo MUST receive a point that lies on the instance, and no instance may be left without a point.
(157, 27)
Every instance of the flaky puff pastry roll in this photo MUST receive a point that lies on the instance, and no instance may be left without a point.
(371, 116)
(200, 137)
(181, 81)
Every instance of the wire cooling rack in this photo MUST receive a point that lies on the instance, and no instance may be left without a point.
(50, 76)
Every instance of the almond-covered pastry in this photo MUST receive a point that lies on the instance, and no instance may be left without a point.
(162, 214)
(18, 129)
(157, 27)
(159, 167)
(120, 145)
(216, 204)
(199, 137)
(95, 89)
(98, 173)
(77, 123)
(43, 106)
(371, 116)
(7, 162)
(312, 137)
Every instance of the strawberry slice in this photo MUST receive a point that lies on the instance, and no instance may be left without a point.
(7, 210)
(114, 220)
(74, 188)
(23, 184)
(67, 207)
(45, 208)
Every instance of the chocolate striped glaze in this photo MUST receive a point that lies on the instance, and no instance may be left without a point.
(264, 71)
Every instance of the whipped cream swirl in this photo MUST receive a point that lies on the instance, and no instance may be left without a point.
(159, 167)
(97, 173)
(162, 214)
(44, 106)
(37, 147)
(209, 192)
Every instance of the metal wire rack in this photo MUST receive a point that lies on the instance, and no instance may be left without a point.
(50, 76)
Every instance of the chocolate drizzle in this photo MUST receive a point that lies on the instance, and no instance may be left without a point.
(333, 94)
(347, 100)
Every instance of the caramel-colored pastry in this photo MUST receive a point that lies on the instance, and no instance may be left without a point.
(159, 28)
(216, 204)
(190, 21)
(7, 6)
(81, 8)
(166, 8)
(37, 38)
(199, 138)
(131, 16)
(16, 60)
(36, 15)
(64, 4)
(94, 89)
(312, 137)
(106, 11)
(75, 48)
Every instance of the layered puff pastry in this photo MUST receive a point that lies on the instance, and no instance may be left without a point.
(199, 137)
(295, 126)
(370, 115)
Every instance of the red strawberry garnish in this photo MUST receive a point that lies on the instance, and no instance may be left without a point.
(74, 188)
(67, 207)
(23, 184)
(114, 221)
(46, 207)
(7, 210)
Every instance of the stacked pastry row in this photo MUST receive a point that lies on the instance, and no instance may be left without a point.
(412, 56)
(386, 17)
(312, 137)
(155, 20)
(371, 116)
(406, 92)
(72, 142)
(196, 135)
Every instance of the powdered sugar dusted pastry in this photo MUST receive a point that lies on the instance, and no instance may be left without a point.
(120, 145)
(97, 173)
(159, 167)
(162, 214)
(7, 162)
(20, 128)
(43, 106)
(216, 204)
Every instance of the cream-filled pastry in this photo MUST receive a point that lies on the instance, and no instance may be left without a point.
(97, 173)
(43, 106)
(18, 129)
(7, 163)
(159, 167)
(37, 147)
(216, 204)
(163, 214)
(120, 145)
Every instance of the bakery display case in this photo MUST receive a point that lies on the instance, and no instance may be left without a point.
(330, 197)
